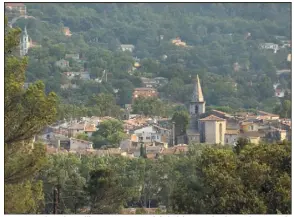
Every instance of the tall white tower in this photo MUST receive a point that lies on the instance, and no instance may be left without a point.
(24, 43)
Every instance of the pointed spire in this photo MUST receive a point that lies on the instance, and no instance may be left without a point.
(197, 92)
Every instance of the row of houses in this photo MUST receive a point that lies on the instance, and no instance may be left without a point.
(157, 140)
(85, 148)
(256, 127)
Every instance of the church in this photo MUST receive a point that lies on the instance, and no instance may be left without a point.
(26, 43)
(210, 129)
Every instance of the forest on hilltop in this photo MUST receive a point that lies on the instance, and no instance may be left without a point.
(214, 32)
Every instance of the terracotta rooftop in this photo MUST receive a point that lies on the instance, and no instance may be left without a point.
(14, 4)
(232, 132)
(212, 118)
(220, 112)
(90, 128)
(266, 113)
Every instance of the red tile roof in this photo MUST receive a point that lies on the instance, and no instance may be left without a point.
(232, 132)
(90, 128)
(220, 112)
(267, 113)
(212, 118)
(19, 4)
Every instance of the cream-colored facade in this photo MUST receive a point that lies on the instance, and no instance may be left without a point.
(214, 130)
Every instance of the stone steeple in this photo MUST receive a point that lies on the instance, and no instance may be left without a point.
(197, 92)
(197, 103)
(196, 109)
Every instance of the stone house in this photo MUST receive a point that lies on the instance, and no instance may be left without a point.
(231, 136)
(78, 144)
(253, 136)
(248, 126)
(152, 133)
(144, 92)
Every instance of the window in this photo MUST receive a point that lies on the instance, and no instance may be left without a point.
(227, 140)
(196, 109)
(153, 137)
(148, 138)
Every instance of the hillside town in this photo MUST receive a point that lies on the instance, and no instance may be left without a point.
(142, 108)
(157, 134)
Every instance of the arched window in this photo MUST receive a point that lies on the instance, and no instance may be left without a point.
(196, 109)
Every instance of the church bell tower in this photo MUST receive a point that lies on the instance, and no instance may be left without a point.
(197, 103)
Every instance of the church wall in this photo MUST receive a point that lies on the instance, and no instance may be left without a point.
(213, 134)
(210, 132)
(220, 138)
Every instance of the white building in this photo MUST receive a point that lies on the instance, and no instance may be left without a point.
(270, 46)
(153, 133)
(127, 47)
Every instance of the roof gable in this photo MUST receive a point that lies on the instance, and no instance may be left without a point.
(212, 118)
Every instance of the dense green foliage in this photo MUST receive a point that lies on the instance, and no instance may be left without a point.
(181, 119)
(26, 113)
(225, 183)
(208, 180)
(109, 134)
(152, 107)
(215, 33)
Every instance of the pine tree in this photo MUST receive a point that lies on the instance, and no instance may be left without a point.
(27, 112)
